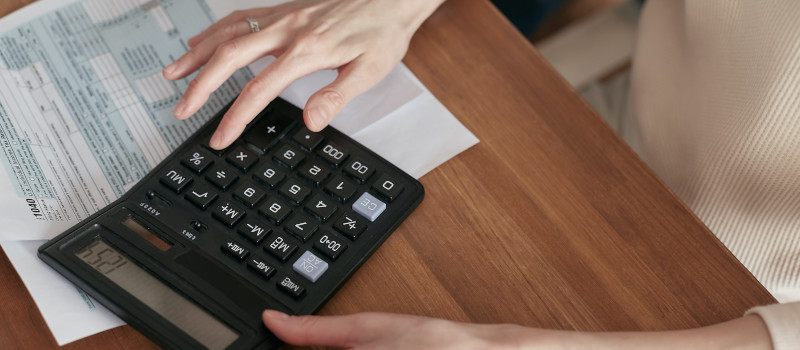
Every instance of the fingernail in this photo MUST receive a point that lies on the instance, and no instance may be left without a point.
(318, 118)
(170, 68)
(216, 140)
(179, 109)
(275, 315)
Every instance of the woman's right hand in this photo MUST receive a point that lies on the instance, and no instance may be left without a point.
(362, 39)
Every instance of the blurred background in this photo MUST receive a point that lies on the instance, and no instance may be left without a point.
(590, 42)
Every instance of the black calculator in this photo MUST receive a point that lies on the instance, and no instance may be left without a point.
(195, 251)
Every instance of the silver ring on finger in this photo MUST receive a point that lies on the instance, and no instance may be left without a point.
(253, 24)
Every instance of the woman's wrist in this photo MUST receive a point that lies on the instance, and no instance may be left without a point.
(419, 10)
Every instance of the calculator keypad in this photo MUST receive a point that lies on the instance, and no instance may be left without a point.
(290, 205)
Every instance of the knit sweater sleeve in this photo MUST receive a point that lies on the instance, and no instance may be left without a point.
(783, 322)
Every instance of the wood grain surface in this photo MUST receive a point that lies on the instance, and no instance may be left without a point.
(550, 221)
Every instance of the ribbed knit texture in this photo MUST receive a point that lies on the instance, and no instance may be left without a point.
(783, 323)
(715, 96)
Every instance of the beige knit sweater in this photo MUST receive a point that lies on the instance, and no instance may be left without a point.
(715, 96)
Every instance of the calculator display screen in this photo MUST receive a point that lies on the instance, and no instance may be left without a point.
(162, 299)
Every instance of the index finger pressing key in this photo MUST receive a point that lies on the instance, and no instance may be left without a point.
(257, 94)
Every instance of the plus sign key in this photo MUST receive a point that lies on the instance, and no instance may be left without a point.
(268, 129)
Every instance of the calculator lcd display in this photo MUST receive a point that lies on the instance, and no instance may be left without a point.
(143, 232)
(183, 313)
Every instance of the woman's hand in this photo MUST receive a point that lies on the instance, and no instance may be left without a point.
(393, 331)
(363, 39)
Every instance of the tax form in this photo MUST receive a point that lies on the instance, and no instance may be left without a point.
(85, 113)
(84, 110)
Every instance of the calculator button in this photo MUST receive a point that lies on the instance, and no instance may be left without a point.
(350, 225)
(341, 188)
(197, 160)
(216, 152)
(289, 156)
(310, 266)
(235, 250)
(201, 195)
(254, 230)
(157, 200)
(177, 180)
(280, 247)
(269, 175)
(388, 187)
(222, 176)
(197, 226)
(359, 170)
(321, 207)
(307, 139)
(329, 246)
(290, 286)
(228, 213)
(274, 210)
(301, 226)
(268, 130)
(369, 206)
(294, 190)
(242, 158)
(249, 193)
(332, 154)
(314, 172)
(260, 267)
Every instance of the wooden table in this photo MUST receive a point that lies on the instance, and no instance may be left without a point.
(550, 221)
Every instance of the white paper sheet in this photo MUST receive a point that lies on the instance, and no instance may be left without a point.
(399, 119)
